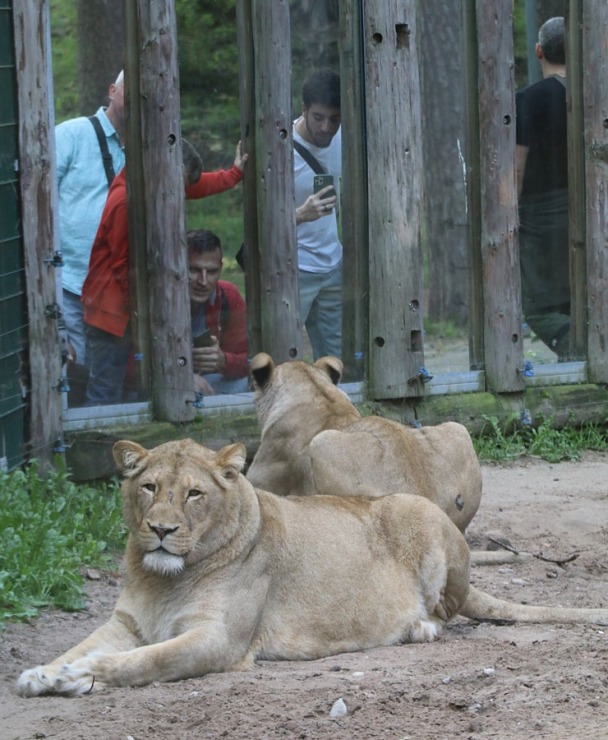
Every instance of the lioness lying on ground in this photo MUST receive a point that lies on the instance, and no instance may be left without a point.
(218, 574)
(314, 440)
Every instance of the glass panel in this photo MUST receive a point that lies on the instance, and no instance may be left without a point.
(445, 237)
(542, 172)
(317, 135)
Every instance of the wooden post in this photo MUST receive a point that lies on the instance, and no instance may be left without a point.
(595, 43)
(503, 341)
(355, 228)
(394, 185)
(157, 245)
(576, 64)
(38, 207)
(267, 128)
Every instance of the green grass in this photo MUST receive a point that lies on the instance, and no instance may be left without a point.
(544, 441)
(50, 529)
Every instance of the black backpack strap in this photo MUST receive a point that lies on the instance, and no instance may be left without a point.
(309, 158)
(106, 157)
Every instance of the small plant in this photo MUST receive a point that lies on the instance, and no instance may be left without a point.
(50, 528)
(543, 441)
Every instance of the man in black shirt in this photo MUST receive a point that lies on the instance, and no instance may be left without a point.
(542, 180)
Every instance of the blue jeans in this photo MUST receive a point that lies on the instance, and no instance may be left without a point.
(223, 386)
(107, 357)
(321, 310)
(74, 324)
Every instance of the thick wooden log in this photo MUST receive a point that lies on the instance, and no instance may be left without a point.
(595, 44)
(503, 341)
(38, 207)
(157, 247)
(271, 130)
(394, 155)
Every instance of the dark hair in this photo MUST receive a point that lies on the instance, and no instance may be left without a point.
(193, 164)
(322, 87)
(551, 38)
(202, 240)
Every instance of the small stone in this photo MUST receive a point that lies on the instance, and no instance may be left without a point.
(339, 709)
(489, 671)
(518, 582)
(446, 680)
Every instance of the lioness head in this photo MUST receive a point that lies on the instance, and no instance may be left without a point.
(181, 500)
(296, 383)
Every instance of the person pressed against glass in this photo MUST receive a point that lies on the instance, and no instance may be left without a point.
(317, 130)
(219, 327)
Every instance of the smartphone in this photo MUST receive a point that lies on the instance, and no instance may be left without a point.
(322, 181)
(204, 340)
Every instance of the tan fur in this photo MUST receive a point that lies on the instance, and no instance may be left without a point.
(314, 440)
(218, 574)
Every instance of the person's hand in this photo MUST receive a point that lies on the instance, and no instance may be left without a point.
(209, 359)
(240, 159)
(316, 206)
(202, 386)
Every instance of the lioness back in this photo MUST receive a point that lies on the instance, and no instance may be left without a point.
(314, 441)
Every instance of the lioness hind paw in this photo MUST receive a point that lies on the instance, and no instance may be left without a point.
(424, 631)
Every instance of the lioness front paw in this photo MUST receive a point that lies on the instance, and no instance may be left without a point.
(55, 679)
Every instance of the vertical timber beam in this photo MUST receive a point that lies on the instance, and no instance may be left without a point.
(576, 65)
(267, 125)
(355, 228)
(503, 341)
(595, 43)
(157, 245)
(38, 207)
(394, 157)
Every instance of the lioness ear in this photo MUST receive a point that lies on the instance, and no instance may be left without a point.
(262, 367)
(128, 456)
(231, 459)
(332, 367)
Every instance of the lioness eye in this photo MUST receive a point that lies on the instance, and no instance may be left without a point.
(149, 487)
(194, 494)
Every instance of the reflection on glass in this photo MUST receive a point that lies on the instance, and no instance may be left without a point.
(542, 179)
(317, 171)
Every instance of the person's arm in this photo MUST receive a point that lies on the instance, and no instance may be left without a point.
(211, 183)
(316, 206)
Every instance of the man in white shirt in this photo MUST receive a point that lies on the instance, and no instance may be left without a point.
(319, 247)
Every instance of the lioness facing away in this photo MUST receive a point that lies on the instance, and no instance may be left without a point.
(314, 440)
(218, 574)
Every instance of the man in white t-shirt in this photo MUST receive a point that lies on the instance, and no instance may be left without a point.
(319, 247)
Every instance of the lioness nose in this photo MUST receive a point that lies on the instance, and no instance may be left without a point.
(161, 531)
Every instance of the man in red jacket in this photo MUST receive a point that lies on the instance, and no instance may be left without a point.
(105, 293)
(219, 327)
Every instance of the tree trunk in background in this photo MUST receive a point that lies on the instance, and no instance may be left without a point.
(446, 234)
(546, 9)
(100, 50)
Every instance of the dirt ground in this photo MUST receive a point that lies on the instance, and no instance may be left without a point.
(478, 681)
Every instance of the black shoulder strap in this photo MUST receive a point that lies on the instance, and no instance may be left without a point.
(309, 158)
(103, 145)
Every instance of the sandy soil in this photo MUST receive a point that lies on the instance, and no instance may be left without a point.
(478, 681)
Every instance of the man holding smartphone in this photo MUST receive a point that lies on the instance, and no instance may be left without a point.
(317, 130)
(219, 328)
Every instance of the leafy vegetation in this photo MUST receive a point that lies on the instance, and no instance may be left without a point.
(544, 441)
(50, 529)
